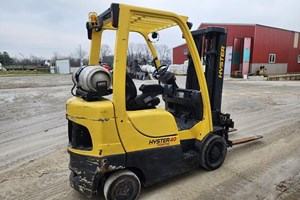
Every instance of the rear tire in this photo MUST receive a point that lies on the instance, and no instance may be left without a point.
(122, 185)
(213, 152)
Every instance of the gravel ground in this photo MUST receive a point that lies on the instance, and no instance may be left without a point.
(33, 141)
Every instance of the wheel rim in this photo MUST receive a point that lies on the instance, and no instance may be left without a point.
(125, 189)
(215, 153)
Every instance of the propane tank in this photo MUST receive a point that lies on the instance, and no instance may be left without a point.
(89, 77)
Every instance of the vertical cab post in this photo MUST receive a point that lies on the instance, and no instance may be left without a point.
(206, 126)
(120, 58)
(95, 47)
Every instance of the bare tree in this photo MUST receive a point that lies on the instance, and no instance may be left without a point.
(36, 61)
(146, 52)
(74, 61)
(131, 51)
(141, 51)
(79, 53)
(104, 51)
(56, 56)
(138, 51)
(163, 51)
(78, 57)
(32, 60)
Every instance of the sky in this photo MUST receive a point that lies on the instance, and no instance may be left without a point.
(40, 28)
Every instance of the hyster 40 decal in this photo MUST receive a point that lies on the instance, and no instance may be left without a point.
(162, 141)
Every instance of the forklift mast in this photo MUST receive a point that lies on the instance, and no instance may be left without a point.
(211, 46)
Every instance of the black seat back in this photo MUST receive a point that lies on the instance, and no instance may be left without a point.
(145, 100)
(131, 92)
(185, 103)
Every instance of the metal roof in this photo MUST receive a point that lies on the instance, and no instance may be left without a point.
(145, 23)
(245, 24)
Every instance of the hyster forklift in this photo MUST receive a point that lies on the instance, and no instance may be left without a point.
(119, 140)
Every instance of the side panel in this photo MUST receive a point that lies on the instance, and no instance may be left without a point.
(63, 66)
(161, 163)
(272, 41)
(132, 140)
(152, 122)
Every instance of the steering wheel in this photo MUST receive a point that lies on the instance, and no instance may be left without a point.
(160, 71)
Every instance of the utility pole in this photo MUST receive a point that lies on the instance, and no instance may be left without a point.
(80, 55)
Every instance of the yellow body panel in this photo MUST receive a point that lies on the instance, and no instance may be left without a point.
(133, 140)
(153, 122)
(98, 118)
(96, 110)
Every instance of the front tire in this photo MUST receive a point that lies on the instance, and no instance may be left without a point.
(122, 185)
(213, 153)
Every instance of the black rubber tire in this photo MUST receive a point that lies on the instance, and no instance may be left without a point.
(213, 152)
(122, 185)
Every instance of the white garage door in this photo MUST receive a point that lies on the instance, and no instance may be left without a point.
(228, 57)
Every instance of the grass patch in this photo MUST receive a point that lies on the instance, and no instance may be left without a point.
(20, 72)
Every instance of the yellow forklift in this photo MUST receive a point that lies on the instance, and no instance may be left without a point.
(118, 139)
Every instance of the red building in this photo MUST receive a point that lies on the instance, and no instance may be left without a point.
(250, 46)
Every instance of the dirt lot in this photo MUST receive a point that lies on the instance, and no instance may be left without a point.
(33, 141)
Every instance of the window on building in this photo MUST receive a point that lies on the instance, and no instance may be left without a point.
(272, 58)
(185, 51)
(230, 57)
(298, 60)
(296, 39)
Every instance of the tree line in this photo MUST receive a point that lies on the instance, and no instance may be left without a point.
(32, 60)
(137, 51)
(134, 52)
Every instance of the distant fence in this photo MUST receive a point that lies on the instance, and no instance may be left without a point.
(42, 69)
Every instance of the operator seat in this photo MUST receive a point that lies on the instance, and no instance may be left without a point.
(148, 98)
